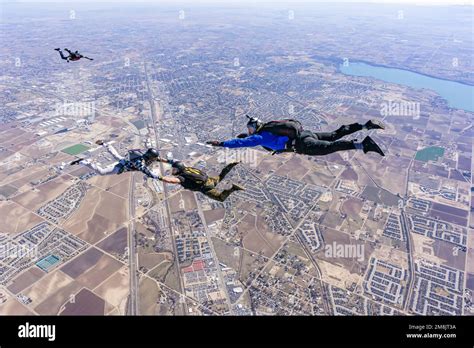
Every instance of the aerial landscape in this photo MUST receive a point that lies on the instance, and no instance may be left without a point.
(348, 233)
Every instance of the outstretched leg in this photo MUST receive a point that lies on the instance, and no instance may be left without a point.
(316, 147)
(349, 129)
(111, 149)
(113, 168)
(340, 132)
(221, 196)
(114, 152)
(309, 144)
(226, 170)
(61, 53)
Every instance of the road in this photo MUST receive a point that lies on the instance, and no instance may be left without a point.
(216, 260)
(325, 299)
(154, 119)
(406, 231)
(132, 253)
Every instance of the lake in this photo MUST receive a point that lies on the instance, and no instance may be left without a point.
(458, 95)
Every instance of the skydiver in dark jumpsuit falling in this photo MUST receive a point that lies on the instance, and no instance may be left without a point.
(289, 136)
(72, 56)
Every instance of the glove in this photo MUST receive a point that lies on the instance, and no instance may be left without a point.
(214, 143)
(242, 135)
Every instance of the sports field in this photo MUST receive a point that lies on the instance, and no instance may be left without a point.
(75, 149)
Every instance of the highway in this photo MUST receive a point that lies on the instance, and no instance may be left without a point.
(132, 253)
(154, 119)
(406, 231)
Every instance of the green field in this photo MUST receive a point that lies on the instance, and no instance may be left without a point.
(431, 153)
(75, 149)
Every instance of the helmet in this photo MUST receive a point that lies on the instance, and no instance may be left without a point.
(253, 122)
(178, 164)
(151, 153)
(177, 167)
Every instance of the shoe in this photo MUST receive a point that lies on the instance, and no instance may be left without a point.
(99, 142)
(237, 187)
(76, 161)
(374, 124)
(369, 145)
(57, 49)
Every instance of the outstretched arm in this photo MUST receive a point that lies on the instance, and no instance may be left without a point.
(240, 141)
(251, 141)
(110, 169)
(161, 159)
(170, 180)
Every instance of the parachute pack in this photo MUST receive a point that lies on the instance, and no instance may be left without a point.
(288, 127)
(134, 154)
(194, 177)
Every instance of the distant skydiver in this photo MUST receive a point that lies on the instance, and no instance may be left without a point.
(289, 136)
(136, 161)
(72, 55)
(196, 180)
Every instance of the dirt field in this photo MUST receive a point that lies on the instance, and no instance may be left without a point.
(318, 177)
(172, 279)
(82, 263)
(151, 260)
(9, 135)
(122, 188)
(271, 163)
(120, 182)
(25, 176)
(115, 290)
(213, 215)
(148, 295)
(12, 307)
(352, 208)
(349, 174)
(227, 254)
(46, 192)
(25, 279)
(337, 275)
(53, 304)
(444, 251)
(160, 271)
(296, 168)
(78, 171)
(85, 303)
(116, 242)
(257, 238)
(183, 201)
(99, 272)
(334, 239)
(16, 219)
(47, 286)
(100, 213)
(332, 219)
